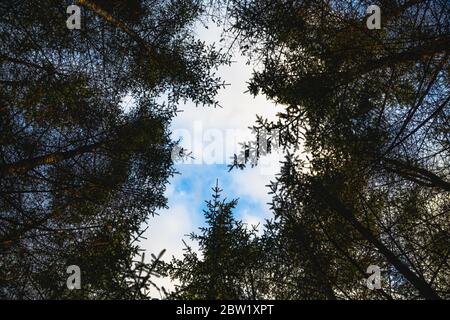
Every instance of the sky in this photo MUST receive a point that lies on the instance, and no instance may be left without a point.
(213, 136)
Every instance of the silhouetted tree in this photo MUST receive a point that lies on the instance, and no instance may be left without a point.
(80, 171)
(227, 263)
(364, 116)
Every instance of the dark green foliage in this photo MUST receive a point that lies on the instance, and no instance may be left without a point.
(79, 173)
(364, 115)
(227, 264)
(364, 120)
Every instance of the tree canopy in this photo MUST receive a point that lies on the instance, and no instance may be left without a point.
(364, 118)
(225, 265)
(79, 170)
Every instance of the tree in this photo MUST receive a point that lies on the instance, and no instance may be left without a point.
(79, 172)
(365, 119)
(227, 265)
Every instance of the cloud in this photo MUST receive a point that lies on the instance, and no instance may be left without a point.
(252, 182)
(166, 231)
(188, 191)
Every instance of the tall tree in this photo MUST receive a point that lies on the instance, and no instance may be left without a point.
(369, 110)
(227, 263)
(79, 170)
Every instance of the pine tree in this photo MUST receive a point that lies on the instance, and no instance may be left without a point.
(226, 265)
(79, 171)
(364, 114)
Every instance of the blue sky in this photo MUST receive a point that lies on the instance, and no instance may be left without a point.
(199, 128)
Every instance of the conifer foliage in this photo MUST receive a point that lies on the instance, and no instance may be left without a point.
(225, 266)
(84, 141)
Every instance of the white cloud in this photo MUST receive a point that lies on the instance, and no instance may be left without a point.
(252, 182)
(166, 231)
(239, 108)
(238, 113)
